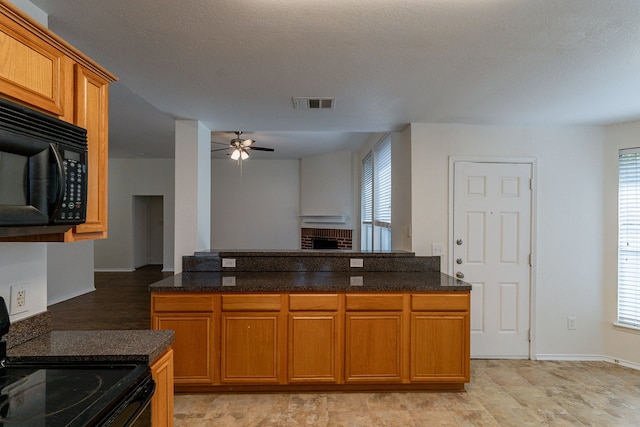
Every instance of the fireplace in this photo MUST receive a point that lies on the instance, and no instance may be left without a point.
(326, 238)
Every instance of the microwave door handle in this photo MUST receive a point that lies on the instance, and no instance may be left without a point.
(61, 180)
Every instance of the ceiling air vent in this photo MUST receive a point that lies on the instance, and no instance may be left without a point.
(313, 103)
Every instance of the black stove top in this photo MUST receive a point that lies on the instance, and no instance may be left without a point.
(64, 395)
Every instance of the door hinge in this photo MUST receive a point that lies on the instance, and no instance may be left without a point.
(530, 184)
(530, 261)
(529, 337)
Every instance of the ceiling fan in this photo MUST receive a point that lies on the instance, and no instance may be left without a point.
(240, 147)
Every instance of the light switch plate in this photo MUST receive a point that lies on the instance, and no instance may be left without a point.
(228, 262)
(356, 281)
(356, 262)
(229, 281)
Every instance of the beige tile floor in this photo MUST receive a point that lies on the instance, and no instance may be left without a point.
(501, 393)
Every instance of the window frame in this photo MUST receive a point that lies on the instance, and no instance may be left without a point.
(628, 283)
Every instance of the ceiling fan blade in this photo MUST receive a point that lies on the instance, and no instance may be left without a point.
(220, 143)
(260, 148)
(247, 142)
(220, 149)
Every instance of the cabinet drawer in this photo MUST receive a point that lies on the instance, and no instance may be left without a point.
(313, 302)
(251, 303)
(360, 302)
(440, 302)
(178, 303)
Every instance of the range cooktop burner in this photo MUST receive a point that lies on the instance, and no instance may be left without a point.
(61, 395)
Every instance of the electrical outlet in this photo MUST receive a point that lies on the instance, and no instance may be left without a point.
(18, 302)
(571, 323)
(437, 249)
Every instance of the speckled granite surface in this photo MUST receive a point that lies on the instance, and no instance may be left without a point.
(28, 329)
(140, 346)
(310, 261)
(309, 282)
(303, 253)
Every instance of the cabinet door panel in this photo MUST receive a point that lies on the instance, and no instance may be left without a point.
(373, 347)
(439, 347)
(250, 349)
(193, 359)
(91, 113)
(30, 69)
(314, 354)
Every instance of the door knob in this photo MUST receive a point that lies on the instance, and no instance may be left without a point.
(459, 242)
(460, 275)
(458, 260)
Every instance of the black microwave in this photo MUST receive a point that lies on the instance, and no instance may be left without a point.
(43, 169)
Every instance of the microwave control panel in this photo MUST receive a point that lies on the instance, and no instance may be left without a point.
(73, 208)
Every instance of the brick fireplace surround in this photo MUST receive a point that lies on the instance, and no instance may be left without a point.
(342, 237)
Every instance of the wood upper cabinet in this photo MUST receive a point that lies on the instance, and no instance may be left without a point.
(253, 336)
(440, 338)
(31, 69)
(374, 348)
(42, 71)
(162, 399)
(191, 317)
(315, 339)
(91, 113)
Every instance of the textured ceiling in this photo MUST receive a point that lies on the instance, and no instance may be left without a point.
(235, 64)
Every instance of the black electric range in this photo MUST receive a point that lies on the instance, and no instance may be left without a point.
(85, 394)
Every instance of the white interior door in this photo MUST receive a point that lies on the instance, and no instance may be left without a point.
(492, 246)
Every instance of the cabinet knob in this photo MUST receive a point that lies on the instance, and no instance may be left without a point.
(460, 275)
(459, 242)
(458, 260)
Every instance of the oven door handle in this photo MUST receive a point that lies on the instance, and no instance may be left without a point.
(144, 397)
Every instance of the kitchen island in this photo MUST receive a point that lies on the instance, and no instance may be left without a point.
(314, 320)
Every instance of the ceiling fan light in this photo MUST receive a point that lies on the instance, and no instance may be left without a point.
(244, 155)
(236, 154)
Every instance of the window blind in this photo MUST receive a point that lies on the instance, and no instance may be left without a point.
(367, 189)
(629, 238)
(382, 183)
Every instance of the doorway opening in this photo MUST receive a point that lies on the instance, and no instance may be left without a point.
(148, 236)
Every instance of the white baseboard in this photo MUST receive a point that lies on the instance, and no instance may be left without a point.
(113, 270)
(570, 357)
(69, 296)
(621, 362)
(588, 358)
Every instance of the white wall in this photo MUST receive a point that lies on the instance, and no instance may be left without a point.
(401, 190)
(24, 263)
(69, 270)
(621, 344)
(129, 177)
(570, 194)
(326, 183)
(256, 205)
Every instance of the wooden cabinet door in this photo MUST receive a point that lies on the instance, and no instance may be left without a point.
(91, 113)
(374, 348)
(315, 350)
(251, 348)
(31, 70)
(162, 399)
(440, 347)
(193, 346)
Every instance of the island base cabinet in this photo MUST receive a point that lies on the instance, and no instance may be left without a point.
(250, 348)
(314, 348)
(373, 347)
(162, 399)
(193, 358)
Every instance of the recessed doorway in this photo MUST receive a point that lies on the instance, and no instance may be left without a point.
(148, 220)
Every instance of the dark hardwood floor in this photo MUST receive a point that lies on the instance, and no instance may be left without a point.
(120, 301)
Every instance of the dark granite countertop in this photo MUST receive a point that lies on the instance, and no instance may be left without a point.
(302, 253)
(291, 281)
(139, 346)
